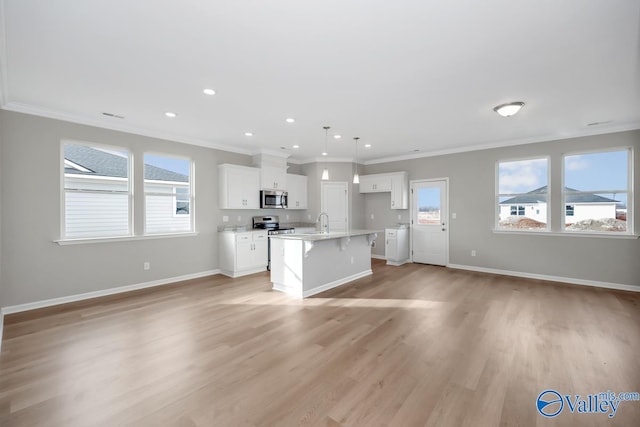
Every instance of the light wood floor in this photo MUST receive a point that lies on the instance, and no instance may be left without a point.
(409, 346)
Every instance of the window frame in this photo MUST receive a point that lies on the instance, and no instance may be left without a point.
(629, 192)
(63, 191)
(191, 186)
(175, 203)
(497, 193)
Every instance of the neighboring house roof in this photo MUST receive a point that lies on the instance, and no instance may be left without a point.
(102, 163)
(540, 195)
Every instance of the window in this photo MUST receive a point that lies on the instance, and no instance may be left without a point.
(597, 192)
(517, 210)
(168, 192)
(522, 194)
(96, 191)
(182, 201)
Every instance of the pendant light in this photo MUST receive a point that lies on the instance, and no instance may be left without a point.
(356, 177)
(325, 172)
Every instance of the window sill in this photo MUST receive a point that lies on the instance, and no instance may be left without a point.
(568, 234)
(64, 242)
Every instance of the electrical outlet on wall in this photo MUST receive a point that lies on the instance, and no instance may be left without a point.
(454, 216)
(239, 218)
(371, 216)
(473, 252)
(225, 218)
(146, 265)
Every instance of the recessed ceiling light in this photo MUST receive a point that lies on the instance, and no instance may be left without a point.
(290, 120)
(209, 92)
(170, 114)
(337, 136)
(325, 153)
(367, 145)
(507, 110)
(248, 134)
(296, 146)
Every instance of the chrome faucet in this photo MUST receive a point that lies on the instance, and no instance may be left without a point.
(326, 225)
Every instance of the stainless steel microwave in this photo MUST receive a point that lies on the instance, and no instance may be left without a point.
(271, 199)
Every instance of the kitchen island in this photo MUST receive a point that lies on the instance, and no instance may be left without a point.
(306, 264)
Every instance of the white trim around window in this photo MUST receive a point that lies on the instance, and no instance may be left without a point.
(629, 192)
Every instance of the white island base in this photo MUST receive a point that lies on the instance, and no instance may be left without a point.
(304, 265)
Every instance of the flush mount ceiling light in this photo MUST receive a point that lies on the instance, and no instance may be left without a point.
(290, 120)
(209, 92)
(367, 145)
(296, 146)
(170, 114)
(508, 110)
(248, 134)
(337, 136)
(356, 177)
(325, 172)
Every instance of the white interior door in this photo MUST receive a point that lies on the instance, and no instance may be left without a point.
(334, 201)
(429, 225)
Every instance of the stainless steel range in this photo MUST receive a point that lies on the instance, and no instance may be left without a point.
(271, 223)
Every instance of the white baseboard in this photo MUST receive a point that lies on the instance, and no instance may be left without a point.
(573, 281)
(234, 274)
(398, 263)
(299, 293)
(376, 256)
(336, 283)
(105, 292)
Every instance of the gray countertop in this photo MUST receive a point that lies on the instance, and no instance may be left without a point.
(314, 237)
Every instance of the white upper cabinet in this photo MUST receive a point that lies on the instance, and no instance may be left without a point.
(394, 182)
(273, 178)
(238, 187)
(400, 190)
(273, 171)
(378, 183)
(297, 188)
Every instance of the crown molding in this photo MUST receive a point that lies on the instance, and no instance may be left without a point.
(624, 127)
(73, 118)
(322, 160)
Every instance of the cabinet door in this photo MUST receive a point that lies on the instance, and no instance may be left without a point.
(260, 253)
(239, 187)
(235, 189)
(273, 178)
(399, 192)
(366, 184)
(375, 183)
(244, 252)
(297, 188)
(391, 245)
(251, 189)
(383, 184)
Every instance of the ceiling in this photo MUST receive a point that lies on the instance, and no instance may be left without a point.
(409, 77)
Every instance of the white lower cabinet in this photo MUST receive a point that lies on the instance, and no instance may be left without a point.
(242, 253)
(396, 247)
